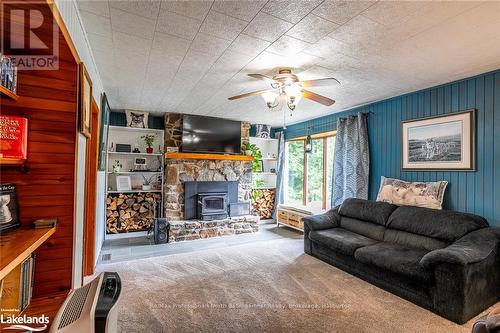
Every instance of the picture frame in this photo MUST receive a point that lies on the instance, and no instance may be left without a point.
(9, 208)
(444, 142)
(85, 100)
(261, 166)
(123, 183)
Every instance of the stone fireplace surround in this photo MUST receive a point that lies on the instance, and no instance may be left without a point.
(178, 171)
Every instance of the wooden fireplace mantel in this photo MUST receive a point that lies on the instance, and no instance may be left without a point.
(203, 156)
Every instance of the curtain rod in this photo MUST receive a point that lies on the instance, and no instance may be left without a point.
(308, 128)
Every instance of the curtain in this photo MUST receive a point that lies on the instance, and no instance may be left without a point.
(280, 193)
(351, 159)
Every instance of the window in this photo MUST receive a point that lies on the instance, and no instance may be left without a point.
(308, 176)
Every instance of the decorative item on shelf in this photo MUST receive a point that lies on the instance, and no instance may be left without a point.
(258, 183)
(123, 183)
(136, 150)
(112, 147)
(140, 164)
(272, 170)
(149, 139)
(146, 183)
(263, 131)
(172, 149)
(159, 181)
(8, 73)
(9, 210)
(439, 143)
(261, 166)
(137, 119)
(45, 223)
(123, 148)
(14, 136)
(117, 166)
(85, 94)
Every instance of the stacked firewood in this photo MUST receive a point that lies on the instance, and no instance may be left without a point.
(130, 212)
(263, 202)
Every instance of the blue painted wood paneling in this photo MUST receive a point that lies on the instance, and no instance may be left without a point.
(475, 191)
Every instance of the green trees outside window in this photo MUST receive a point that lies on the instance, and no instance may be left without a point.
(308, 176)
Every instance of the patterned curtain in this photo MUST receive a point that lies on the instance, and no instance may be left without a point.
(351, 159)
(280, 193)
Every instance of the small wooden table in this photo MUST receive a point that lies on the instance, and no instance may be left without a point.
(291, 217)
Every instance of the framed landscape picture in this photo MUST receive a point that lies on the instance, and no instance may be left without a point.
(85, 100)
(439, 143)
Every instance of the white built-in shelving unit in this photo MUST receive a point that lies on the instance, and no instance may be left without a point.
(154, 161)
(269, 149)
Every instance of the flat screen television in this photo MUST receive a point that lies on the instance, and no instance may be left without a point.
(210, 135)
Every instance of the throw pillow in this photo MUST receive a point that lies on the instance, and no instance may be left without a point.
(420, 194)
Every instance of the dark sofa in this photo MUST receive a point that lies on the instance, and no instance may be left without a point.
(444, 261)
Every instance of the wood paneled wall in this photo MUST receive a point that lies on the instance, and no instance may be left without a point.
(475, 192)
(49, 100)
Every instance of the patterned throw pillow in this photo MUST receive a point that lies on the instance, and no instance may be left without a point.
(399, 192)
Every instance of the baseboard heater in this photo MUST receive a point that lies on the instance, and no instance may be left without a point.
(91, 308)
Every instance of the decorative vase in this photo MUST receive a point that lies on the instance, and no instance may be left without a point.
(117, 168)
(149, 150)
(146, 187)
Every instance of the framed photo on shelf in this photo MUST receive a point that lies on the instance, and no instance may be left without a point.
(85, 100)
(444, 142)
(123, 183)
(261, 166)
(9, 211)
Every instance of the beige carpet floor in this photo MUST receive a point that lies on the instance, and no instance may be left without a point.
(267, 286)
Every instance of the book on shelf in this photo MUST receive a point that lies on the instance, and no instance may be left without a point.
(8, 73)
(26, 283)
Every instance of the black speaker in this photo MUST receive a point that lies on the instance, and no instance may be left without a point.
(161, 229)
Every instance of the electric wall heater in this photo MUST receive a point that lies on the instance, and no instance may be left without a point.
(91, 308)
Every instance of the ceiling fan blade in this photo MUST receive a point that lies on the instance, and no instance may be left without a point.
(317, 98)
(262, 77)
(253, 93)
(320, 82)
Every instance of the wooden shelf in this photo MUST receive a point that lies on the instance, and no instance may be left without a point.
(135, 191)
(134, 154)
(17, 245)
(203, 156)
(8, 93)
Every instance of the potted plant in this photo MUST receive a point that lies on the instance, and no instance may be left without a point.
(149, 139)
(257, 156)
(146, 183)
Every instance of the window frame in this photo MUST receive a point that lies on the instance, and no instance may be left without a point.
(324, 136)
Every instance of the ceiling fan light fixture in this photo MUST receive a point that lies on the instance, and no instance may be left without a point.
(270, 98)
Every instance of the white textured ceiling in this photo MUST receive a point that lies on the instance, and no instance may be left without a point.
(189, 56)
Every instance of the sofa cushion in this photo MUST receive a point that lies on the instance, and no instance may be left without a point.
(413, 240)
(340, 239)
(442, 224)
(367, 229)
(371, 211)
(395, 258)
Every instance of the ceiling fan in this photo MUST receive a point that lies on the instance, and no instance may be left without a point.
(286, 86)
